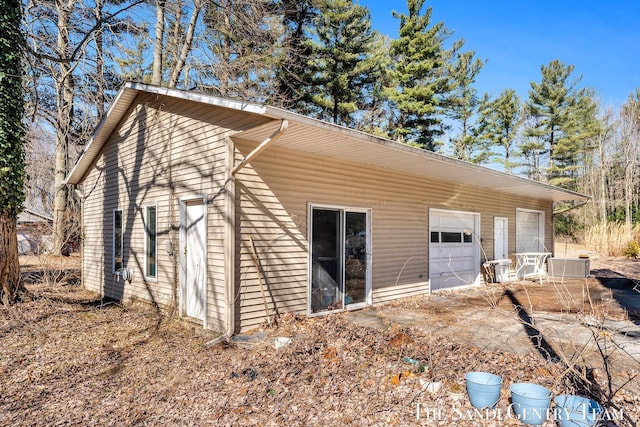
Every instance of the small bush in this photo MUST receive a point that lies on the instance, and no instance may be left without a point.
(632, 250)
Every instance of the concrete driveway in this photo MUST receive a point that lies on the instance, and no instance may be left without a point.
(559, 319)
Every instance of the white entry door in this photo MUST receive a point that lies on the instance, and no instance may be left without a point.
(500, 238)
(194, 259)
(454, 249)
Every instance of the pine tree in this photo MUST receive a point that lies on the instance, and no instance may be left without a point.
(292, 75)
(421, 78)
(563, 119)
(12, 133)
(377, 112)
(499, 122)
(342, 65)
(461, 106)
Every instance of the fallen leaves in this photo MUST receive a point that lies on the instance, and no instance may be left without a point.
(128, 366)
(400, 339)
(395, 379)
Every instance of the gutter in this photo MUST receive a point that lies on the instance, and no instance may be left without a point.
(567, 209)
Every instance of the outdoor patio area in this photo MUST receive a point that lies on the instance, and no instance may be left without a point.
(559, 319)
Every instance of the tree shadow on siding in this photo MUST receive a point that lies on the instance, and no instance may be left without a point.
(265, 242)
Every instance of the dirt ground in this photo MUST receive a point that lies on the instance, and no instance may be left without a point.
(70, 358)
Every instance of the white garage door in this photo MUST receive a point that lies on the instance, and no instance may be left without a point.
(529, 234)
(454, 249)
(529, 231)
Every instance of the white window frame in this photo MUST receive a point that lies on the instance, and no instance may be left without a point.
(113, 241)
(145, 223)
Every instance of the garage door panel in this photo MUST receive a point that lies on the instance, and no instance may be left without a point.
(529, 231)
(454, 256)
(448, 282)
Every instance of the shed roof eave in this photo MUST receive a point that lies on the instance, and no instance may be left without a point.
(353, 145)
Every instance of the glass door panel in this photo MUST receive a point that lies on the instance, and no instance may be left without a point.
(355, 258)
(326, 260)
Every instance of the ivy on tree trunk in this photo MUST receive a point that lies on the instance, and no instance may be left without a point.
(11, 146)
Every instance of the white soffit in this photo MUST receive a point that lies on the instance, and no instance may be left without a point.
(324, 139)
(357, 147)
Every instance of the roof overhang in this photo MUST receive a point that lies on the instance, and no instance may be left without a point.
(324, 139)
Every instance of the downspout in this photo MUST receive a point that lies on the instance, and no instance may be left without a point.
(284, 124)
(80, 194)
(230, 232)
(205, 321)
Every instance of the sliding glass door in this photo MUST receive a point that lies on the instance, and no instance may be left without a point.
(340, 248)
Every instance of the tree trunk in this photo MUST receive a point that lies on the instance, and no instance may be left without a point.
(602, 179)
(10, 281)
(156, 77)
(100, 83)
(186, 46)
(64, 120)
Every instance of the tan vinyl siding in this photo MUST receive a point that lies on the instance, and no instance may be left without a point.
(159, 146)
(165, 150)
(97, 238)
(277, 187)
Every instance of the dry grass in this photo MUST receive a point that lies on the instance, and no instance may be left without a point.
(611, 239)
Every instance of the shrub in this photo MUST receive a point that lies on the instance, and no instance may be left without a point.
(632, 250)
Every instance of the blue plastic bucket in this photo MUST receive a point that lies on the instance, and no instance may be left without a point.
(483, 389)
(576, 411)
(530, 402)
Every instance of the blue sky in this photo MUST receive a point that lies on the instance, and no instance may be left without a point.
(600, 38)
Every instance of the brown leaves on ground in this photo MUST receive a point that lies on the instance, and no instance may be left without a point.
(70, 360)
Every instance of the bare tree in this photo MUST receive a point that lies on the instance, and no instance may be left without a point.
(59, 34)
(39, 165)
(156, 77)
(629, 151)
(184, 45)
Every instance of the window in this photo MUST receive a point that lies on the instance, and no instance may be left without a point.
(451, 237)
(150, 242)
(117, 240)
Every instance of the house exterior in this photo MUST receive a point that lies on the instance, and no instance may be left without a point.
(232, 211)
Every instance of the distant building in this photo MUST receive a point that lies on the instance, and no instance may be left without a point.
(34, 232)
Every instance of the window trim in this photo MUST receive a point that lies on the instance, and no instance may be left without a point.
(145, 222)
(113, 240)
